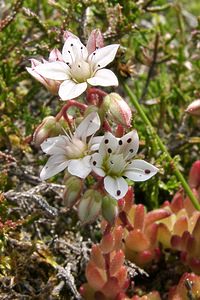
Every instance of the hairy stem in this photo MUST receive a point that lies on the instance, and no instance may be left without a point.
(176, 171)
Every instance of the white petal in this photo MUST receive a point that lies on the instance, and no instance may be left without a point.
(80, 167)
(55, 145)
(54, 165)
(88, 126)
(129, 144)
(140, 170)
(117, 187)
(95, 142)
(56, 70)
(103, 56)
(69, 89)
(96, 163)
(37, 76)
(108, 145)
(103, 77)
(73, 50)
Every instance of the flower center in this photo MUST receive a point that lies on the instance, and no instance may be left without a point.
(80, 71)
(114, 165)
(76, 149)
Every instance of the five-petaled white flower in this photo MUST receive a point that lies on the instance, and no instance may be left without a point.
(72, 151)
(80, 68)
(114, 162)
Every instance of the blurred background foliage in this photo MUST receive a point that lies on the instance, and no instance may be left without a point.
(159, 58)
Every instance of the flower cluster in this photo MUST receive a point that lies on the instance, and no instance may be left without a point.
(89, 147)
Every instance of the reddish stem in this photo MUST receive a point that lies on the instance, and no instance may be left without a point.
(64, 109)
(95, 96)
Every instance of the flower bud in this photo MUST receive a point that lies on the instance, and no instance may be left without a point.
(95, 41)
(109, 209)
(72, 191)
(49, 127)
(194, 108)
(68, 34)
(55, 55)
(51, 85)
(117, 109)
(89, 206)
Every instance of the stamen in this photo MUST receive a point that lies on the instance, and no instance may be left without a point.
(120, 142)
(94, 163)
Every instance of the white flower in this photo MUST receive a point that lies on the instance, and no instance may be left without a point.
(114, 162)
(80, 68)
(72, 152)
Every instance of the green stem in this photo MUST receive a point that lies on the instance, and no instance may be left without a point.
(178, 174)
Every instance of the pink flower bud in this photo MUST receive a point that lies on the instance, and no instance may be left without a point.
(117, 109)
(73, 188)
(51, 85)
(194, 108)
(48, 127)
(68, 34)
(89, 206)
(95, 41)
(55, 55)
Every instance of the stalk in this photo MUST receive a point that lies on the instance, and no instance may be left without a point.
(162, 146)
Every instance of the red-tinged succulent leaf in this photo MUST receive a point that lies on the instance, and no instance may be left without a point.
(164, 235)
(177, 202)
(181, 225)
(86, 291)
(194, 264)
(144, 257)
(94, 277)
(194, 175)
(111, 288)
(129, 199)
(97, 257)
(185, 237)
(151, 233)
(122, 277)
(176, 242)
(137, 241)
(99, 296)
(191, 247)
(156, 215)
(181, 291)
(107, 243)
(118, 235)
(196, 231)
(116, 262)
(139, 217)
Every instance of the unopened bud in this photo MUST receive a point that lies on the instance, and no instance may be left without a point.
(95, 41)
(55, 55)
(117, 109)
(109, 209)
(194, 108)
(72, 191)
(49, 127)
(68, 34)
(89, 206)
(51, 85)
